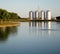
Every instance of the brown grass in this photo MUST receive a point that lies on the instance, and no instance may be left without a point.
(9, 24)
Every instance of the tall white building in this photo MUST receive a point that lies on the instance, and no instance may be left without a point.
(36, 14)
(39, 15)
(31, 15)
(42, 15)
(48, 15)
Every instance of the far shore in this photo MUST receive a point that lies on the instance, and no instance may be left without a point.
(37, 20)
(45, 20)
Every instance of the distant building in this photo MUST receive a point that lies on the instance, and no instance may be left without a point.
(48, 15)
(31, 15)
(36, 15)
(39, 15)
(42, 15)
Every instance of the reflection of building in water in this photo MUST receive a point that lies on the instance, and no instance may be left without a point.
(49, 27)
(43, 26)
(32, 24)
(37, 24)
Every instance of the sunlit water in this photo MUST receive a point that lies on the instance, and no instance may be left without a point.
(31, 38)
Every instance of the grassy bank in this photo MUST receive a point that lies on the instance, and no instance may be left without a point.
(27, 20)
(8, 23)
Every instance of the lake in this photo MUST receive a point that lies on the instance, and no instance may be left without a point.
(31, 38)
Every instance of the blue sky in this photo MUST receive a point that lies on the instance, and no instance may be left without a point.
(22, 7)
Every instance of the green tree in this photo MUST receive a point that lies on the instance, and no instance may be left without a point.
(4, 14)
(13, 15)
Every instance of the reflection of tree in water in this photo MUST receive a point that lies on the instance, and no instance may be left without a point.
(5, 32)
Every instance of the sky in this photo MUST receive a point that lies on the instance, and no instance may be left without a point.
(22, 7)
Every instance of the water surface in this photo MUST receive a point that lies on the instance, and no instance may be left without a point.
(31, 38)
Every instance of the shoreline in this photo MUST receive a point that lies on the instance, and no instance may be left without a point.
(37, 20)
(9, 24)
(17, 23)
(46, 20)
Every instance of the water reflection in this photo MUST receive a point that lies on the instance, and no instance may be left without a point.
(42, 26)
(49, 27)
(6, 31)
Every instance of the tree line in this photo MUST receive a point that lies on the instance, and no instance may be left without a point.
(4, 14)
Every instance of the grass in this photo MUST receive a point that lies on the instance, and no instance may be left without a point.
(8, 23)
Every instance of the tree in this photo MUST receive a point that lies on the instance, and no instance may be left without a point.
(4, 14)
(13, 15)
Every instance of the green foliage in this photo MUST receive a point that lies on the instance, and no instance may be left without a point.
(8, 15)
(13, 15)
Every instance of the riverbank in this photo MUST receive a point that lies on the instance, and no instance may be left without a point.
(9, 24)
(28, 20)
(38, 20)
(16, 22)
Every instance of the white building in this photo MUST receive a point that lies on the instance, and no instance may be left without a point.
(39, 15)
(42, 15)
(31, 15)
(48, 15)
(36, 14)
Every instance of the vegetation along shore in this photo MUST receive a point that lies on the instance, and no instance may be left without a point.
(8, 18)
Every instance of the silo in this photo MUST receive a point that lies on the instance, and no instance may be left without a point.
(36, 14)
(39, 15)
(48, 15)
(42, 15)
(31, 15)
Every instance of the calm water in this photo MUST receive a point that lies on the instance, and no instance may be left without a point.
(31, 38)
